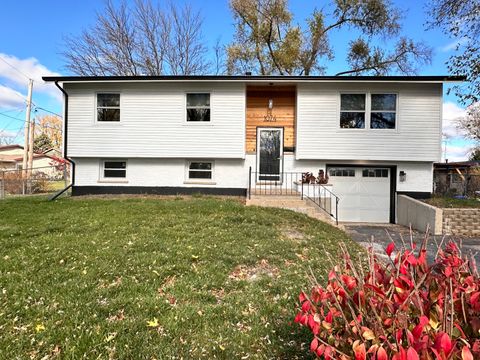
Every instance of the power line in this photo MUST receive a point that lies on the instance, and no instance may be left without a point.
(13, 67)
(11, 117)
(49, 111)
(36, 123)
(10, 110)
(14, 91)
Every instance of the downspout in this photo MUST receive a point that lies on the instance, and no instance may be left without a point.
(65, 137)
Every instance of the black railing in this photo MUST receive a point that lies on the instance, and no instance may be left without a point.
(323, 198)
(291, 184)
(285, 183)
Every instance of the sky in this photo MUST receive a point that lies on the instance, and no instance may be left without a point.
(33, 46)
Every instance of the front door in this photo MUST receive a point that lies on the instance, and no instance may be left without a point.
(269, 153)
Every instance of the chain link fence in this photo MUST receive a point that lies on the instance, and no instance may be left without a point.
(457, 185)
(40, 180)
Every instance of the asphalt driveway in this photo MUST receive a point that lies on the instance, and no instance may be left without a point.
(382, 234)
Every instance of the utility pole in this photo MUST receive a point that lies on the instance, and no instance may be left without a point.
(30, 147)
(27, 126)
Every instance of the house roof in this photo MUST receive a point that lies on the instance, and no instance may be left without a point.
(256, 78)
(457, 164)
(8, 147)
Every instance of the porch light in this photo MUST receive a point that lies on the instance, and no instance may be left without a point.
(403, 176)
(270, 104)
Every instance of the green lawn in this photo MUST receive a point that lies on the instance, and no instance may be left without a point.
(147, 278)
(449, 202)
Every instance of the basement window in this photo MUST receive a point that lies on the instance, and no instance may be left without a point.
(108, 107)
(198, 107)
(200, 170)
(114, 169)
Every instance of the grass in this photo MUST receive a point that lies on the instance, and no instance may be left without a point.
(450, 202)
(153, 279)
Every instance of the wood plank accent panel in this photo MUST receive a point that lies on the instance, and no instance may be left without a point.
(284, 99)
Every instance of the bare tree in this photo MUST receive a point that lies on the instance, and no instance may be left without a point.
(470, 124)
(6, 137)
(186, 51)
(143, 39)
(219, 62)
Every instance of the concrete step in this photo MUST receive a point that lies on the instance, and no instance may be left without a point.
(293, 203)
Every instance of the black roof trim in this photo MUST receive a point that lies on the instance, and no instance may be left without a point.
(442, 78)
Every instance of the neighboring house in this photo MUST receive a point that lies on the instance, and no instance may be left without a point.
(11, 158)
(8, 154)
(374, 136)
(456, 178)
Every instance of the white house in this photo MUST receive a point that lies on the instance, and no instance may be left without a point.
(374, 136)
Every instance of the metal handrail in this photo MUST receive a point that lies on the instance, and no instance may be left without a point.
(323, 202)
(291, 183)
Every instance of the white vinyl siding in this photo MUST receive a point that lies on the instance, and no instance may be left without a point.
(153, 122)
(416, 137)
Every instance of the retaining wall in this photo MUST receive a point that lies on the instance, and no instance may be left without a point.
(461, 221)
(419, 214)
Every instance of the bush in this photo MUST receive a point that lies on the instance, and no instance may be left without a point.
(400, 309)
(40, 183)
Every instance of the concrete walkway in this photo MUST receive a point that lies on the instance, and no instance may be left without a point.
(383, 234)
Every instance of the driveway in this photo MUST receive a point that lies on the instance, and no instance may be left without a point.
(383, 234)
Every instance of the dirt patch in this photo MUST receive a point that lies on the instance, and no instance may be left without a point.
(293, 234)
(219, 294)
(255, 272)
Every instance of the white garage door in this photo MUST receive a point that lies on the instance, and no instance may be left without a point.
(364, 193)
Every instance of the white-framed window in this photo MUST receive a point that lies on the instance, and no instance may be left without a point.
(377, 110)
(198, 107)
(344, 172)
(352, 111)
(114, 169)
(108, 107)
(200, 170)
(383, 111)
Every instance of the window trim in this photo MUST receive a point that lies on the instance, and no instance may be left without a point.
(189, 180)
(110, 107)
(102, 177)
(368, 110)
(197, 123)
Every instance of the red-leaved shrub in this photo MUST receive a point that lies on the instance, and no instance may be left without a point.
(402, 308)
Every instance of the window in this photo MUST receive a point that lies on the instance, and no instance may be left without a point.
(108, 107)
(200, 170)
(383, 111)
(375, 173)
(114, 169)
(342, 172)
(352, 111)
(198, 107)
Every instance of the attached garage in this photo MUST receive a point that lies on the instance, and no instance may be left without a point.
(365, 193)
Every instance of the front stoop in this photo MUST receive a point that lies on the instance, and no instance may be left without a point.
(294, 203)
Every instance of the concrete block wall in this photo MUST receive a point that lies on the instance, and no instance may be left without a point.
(461, 222)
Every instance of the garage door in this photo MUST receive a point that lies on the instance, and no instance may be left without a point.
(364, 193)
